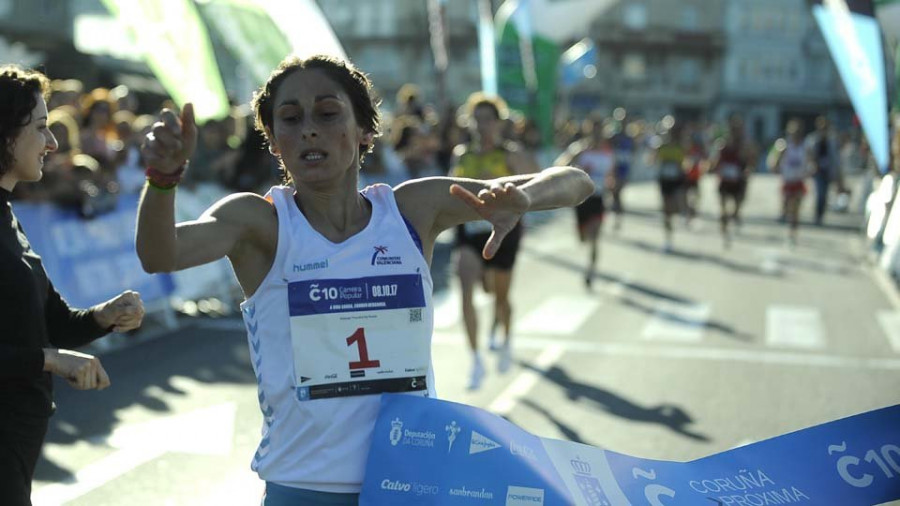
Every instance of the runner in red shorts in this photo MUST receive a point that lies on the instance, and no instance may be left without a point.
(733, 162)
(791, 162)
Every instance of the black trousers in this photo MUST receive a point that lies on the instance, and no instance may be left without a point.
(21, 438)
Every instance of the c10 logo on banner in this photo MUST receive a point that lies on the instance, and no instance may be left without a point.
(887, 461)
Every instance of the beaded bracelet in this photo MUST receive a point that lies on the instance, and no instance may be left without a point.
(161, 180)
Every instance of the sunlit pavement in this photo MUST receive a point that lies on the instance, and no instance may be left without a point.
(671, 356)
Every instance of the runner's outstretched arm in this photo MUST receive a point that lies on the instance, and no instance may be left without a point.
(436, 204)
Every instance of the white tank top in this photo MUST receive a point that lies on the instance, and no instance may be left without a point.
(793, 163)
(597, 163)
(331, 327)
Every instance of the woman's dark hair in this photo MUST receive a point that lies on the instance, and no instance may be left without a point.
(354, 83)
(19, 92)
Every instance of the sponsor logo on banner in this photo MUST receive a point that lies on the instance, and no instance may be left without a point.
(588, 484)
(311, 266)
(472, 494)
(406, 437)
(480, 443)
(452, 431)
(413, 487)
(396, 431)
(522, 450)
(397, 486)
(380, 257)
(524, 496)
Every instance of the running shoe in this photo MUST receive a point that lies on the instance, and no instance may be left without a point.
(476, 375)
(504, 362)
(493, 344)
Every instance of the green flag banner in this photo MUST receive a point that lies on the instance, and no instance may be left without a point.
(526, 73)
(249, 33)
(531, 34)
(176, 47)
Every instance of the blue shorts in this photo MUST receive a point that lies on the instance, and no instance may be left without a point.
(279, 495)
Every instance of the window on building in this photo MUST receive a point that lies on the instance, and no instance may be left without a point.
(340, 15)
(634, 67)
(689, 73)
(690, 18)
(365, 18)
(634, 16)
(386, 18)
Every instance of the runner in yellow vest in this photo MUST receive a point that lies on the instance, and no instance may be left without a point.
(487, 156)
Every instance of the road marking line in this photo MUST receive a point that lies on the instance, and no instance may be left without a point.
(558, 315)
(794, 327)
(890, 324)
(525, 381)
(683, 323)
(207, 431)
(658, 350)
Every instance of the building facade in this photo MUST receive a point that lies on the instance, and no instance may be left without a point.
(390, 40)
(777, 66)
(655, 57)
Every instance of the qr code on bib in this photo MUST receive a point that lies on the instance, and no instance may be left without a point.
(415, 315)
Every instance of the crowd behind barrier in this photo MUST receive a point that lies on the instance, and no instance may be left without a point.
(81, 214)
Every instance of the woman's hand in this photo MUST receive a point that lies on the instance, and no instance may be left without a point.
(80, 370)
(171, 141)
(121, 313)
(501, 205)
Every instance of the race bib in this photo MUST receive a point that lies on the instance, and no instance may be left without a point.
(730, 171)
(358, 336)
(478, 227)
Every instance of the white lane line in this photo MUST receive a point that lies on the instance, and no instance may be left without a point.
(682, 323)
(890, 324)
(794, 327)
(206, 431)
(659, 350)
(558, 315)
(525, 381)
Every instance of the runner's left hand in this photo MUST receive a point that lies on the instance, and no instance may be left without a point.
(501, 205)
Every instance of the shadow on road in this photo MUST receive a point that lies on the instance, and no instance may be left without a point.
(568, 264)
(717, 326)
(642, 288)
(698, 257)
(848, 223)
(671, 416)
(206, 356)
(568, 432)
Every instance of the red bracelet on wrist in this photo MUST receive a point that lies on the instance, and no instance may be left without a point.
(162, 180)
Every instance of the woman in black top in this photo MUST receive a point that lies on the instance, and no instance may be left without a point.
(36, 320)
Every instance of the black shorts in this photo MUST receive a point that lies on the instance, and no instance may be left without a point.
(591, 209)
(733, 188)
(506, 255)
(669, 187)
